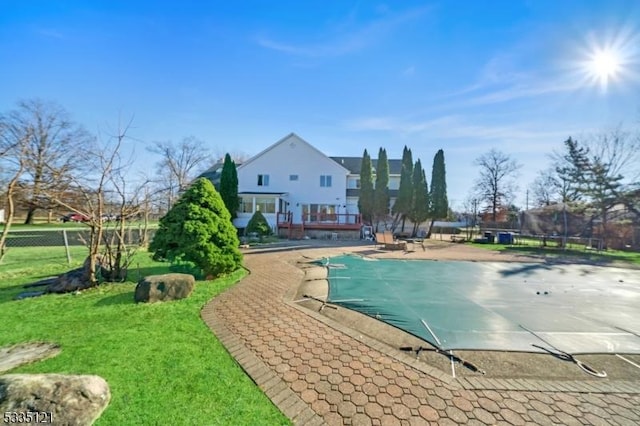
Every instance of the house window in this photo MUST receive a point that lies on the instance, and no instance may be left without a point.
(353, 183)
(266, 205)
(263, 180)
(293, 177)
(246, 205)
(325, 181)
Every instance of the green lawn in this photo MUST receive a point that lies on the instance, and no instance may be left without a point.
(162, 363)
(573, 252)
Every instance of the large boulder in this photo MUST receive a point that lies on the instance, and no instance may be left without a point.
(71, 400)
(162, 288)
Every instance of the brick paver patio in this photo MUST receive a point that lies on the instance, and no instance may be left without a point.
(319, 373)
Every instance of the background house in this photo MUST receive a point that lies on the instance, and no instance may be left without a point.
(354, 165)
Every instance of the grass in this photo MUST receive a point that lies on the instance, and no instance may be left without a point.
(573, 252)
(162, 363)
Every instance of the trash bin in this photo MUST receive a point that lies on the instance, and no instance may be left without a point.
(490, 237)
(505, 238)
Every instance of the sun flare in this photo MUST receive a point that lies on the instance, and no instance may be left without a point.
(605, 64)
(610, 61)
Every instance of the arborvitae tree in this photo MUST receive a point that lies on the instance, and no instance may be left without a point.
(258, 224)
(402, 206)
(420, 200)
(381, 191)
(198, 229)
(229, 186)
(365, 201)
(438, 195)
(439, 202)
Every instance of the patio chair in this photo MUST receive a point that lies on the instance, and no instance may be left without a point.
(381, 240)
(393, 244)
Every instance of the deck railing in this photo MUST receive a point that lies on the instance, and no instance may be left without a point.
(333, 219)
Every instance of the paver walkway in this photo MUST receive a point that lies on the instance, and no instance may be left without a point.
(317, 374)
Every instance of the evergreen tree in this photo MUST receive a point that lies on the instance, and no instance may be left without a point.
(258, 224)
(402, 206)
(420, 200)
(365, 201)
(381, 191)
(229, 186)
(198, 229)
(439, 203)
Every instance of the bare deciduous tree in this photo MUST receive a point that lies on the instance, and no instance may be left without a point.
(179, 164)
(496, 183)
(104, 175)
(12, 164)
(53, 141)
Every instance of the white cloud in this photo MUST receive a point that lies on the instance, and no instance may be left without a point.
(521, 137)
(348, 40)
(409, 71)
(50, 33)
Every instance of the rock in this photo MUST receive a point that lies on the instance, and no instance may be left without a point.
(25, 353)
(71, 400)
(162, 288)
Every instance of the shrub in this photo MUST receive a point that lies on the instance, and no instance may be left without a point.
(258, 224)
(198, 229)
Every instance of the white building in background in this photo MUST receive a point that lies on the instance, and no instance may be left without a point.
(293, 184)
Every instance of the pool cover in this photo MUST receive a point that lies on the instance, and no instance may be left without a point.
(495, 306)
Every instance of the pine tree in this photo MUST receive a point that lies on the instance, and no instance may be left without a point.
(402, 206)
(229, 186)
(420, 200)
(365, 201)
(198, 229)
(381, 191)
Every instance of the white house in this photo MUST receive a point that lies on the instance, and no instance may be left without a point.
(292, 182)
(298, 188)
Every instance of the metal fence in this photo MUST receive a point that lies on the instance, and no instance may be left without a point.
(68, 242)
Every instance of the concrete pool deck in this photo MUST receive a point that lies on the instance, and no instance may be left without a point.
(319, 371)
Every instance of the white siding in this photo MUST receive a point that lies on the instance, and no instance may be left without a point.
(294, 156)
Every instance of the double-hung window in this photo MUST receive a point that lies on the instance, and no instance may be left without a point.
(325, 181)
(263, 180)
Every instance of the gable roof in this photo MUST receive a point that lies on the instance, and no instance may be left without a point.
(354, 164)
(283, 140)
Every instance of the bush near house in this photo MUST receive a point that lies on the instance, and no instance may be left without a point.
(258, 224)
(198, 229)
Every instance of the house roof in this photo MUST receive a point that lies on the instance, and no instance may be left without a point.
(354, 164)
(213, 173)
(261, 193)
(353, 192)
(283, 140)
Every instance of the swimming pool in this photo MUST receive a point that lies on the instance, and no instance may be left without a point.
(495, 306)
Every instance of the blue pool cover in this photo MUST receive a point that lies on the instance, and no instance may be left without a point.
(495, 306)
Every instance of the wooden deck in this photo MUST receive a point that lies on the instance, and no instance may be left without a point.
(327, 222)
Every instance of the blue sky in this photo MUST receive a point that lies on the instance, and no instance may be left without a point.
(464, 76)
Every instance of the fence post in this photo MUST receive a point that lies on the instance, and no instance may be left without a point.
(66, 246)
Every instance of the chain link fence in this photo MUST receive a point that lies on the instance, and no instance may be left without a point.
(69, 244)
